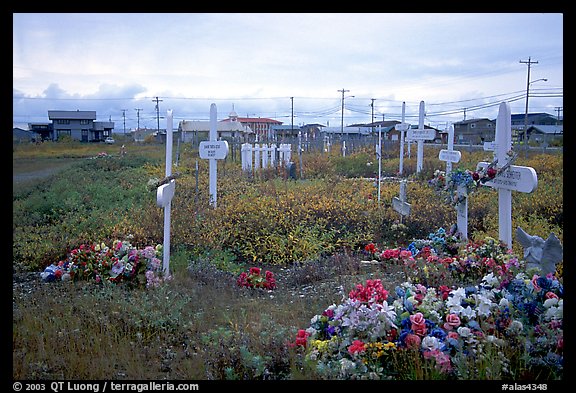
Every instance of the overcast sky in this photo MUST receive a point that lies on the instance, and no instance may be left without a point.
(290, 67)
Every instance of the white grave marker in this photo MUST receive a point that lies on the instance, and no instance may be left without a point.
(400, 204)
(213, 150)
(489, 146)
(450, 155)
(420, 134)
(462, 212)
(402, 127)
(514, 178)
(246, 153)
(164, 195)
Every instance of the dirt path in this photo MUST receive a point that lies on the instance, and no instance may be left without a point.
(31, 170)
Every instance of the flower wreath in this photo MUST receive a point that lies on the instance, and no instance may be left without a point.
(449, 184)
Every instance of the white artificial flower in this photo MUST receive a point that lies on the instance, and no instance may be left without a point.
(483, 305)
(550, 302)
(515, 327)
(430, 343)
(504, 302)
(464, 332)
(468, 312)
(489, 279)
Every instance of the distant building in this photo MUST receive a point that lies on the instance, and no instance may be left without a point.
(195, 131)
(519, 120)
(78, 125)
(21, 135)
(347, 132)
(545, 133)
(474, 131)
(260, 126)
(144, 134)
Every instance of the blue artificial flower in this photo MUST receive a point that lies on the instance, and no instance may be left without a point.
(439, 333)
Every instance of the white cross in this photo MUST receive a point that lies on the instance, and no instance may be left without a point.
(514, 178)
(420, 134)
(213, 150)
(450, 155)
(400, 204)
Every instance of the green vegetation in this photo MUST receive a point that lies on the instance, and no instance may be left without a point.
(201, 325)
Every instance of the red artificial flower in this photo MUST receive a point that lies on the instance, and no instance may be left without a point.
(491, 172)
(356, 347)
(302, 338)
(412, 341)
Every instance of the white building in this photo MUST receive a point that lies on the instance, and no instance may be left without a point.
(195, 131)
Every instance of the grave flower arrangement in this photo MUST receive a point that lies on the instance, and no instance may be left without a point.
(122, 262)
(459, 183)
(448, 332)
(254, 278)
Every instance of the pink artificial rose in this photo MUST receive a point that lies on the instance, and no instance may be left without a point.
(412, 341)
(453, 335)
(452, 322)
(418, 324)
(551, 295)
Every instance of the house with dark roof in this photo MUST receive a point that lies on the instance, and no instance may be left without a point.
(474, 131)
(519, 120)
(78, 125)
(21, 135)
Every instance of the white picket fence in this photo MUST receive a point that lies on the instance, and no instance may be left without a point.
(259, 156)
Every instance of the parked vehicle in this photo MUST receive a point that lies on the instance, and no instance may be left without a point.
(109, 140)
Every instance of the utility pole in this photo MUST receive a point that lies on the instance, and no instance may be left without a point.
(529, 64)
(464, 114)
(124, 117)
(157, 113)
(372, 105)
(138, 115)
(558, 109)
(342, 120)
(292, 124)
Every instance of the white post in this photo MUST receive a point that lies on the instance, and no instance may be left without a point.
(213, 165)
(420, 150)
(462, 212)
(379, 154)
(402, 138)
(265, 150)
(343, 148)
(164, 195)
(257, 150)
(504, 141)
